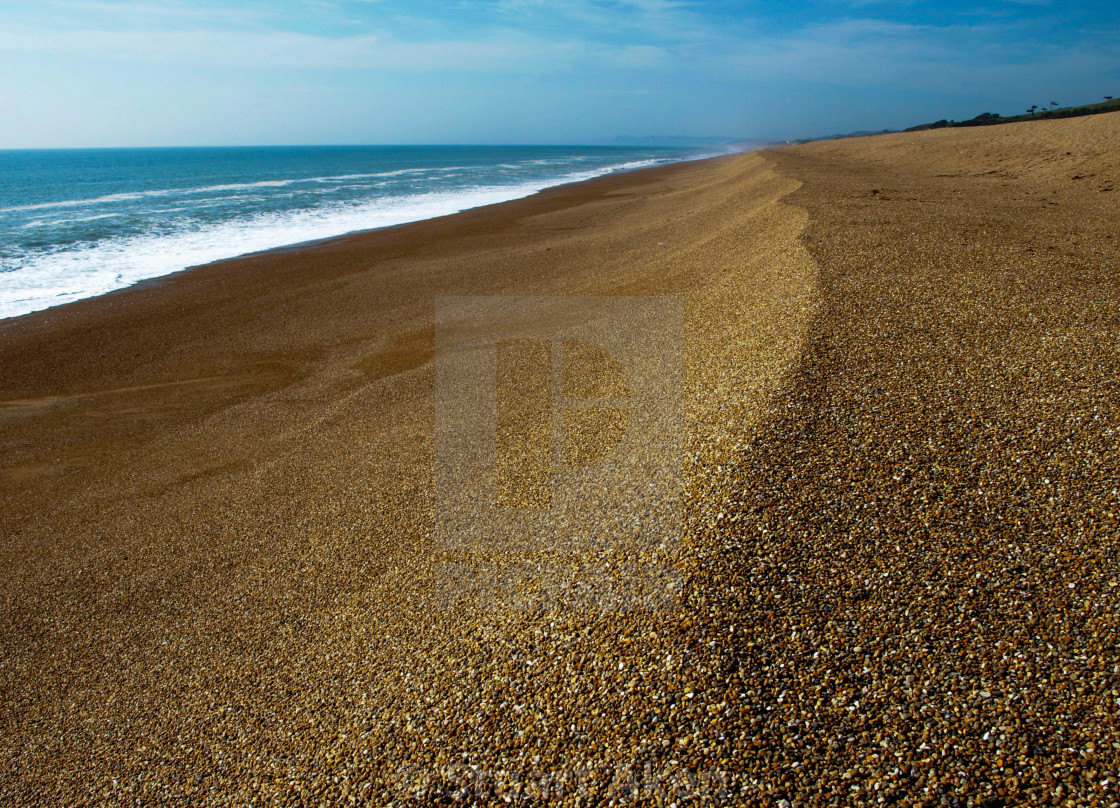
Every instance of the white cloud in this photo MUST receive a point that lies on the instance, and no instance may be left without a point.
(485, 64)
(870, 53)
(288, 50)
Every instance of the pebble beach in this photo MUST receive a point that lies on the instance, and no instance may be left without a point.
(880, 567)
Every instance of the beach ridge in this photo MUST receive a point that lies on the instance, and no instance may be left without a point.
(895, 570)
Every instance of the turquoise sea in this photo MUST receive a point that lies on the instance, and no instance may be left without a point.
(77, 223)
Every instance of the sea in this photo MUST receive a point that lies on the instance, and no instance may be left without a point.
(78, 223)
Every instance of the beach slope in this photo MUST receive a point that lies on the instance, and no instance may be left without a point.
(224, 575)
(892, 575)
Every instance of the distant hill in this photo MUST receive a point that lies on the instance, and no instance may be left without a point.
(990, 118)
(860, 133)
(668, 141)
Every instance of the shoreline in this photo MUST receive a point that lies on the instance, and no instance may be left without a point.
(328, 242)
(312, 243)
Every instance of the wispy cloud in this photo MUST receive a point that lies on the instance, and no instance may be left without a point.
(146, 13)
(675, 63)
(857, 51)
(289, 50)
(945, 59)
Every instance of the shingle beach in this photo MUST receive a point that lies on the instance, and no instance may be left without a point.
(882, 565)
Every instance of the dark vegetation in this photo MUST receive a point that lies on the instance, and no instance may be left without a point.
(1034, 113)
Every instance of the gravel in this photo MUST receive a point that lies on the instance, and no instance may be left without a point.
(894, 578)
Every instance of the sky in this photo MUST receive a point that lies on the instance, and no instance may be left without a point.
(85, 73)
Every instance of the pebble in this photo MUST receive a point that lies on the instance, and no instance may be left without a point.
(902, 457)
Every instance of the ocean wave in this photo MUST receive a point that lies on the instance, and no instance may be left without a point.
(97, 200)
(130, 196)
(41, 280)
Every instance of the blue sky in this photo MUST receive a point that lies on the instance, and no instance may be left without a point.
(202, 72)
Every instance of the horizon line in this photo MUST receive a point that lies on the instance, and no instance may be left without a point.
(668, 143)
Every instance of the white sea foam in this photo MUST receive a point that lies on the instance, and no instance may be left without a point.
(97, 200)
(72, 220)
(94, 218)
(131, 196)
(51, 279)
